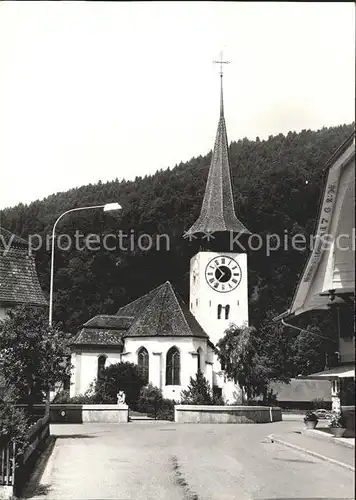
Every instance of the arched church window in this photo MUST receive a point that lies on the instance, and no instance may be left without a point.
(143, 362)
(227, 311)
(199, 351)
(101, 364)
(219, 311)
(173, 367)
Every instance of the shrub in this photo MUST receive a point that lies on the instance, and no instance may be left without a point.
(337, 420)
(198, 392)
(61, 397)
(310, 417)
(318, 403)
(13, 421)
(90, 396)
(166, 410)
(120, 377)
(150, 400)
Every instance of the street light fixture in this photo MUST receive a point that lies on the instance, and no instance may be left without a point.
(108, 207)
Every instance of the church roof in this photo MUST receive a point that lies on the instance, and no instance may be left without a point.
(159, 313)
(104, 330)
(98, 336)
(218, 212)
(19, 282)
(164, 315)
(110, 321)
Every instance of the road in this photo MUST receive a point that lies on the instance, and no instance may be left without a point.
(168, 461)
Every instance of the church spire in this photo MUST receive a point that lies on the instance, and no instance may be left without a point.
(218, 213)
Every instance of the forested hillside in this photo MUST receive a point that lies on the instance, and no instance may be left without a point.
(271, 196)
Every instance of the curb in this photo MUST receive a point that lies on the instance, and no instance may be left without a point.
(312, 453)
(317, 434)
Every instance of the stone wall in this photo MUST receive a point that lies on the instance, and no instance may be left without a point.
(206, 414)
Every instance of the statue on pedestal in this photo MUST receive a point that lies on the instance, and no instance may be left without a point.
(121, 398)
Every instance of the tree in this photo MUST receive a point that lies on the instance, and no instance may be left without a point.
(120, 377)
(198, 391)
(238, 351)
(13, 421)
(34, 354)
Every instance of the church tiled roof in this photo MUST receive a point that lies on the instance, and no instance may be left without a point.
(218, 212)
(165, 314)
(102, 330)
(98, 336)
(113, 322)
(18, 276)
(159, 313)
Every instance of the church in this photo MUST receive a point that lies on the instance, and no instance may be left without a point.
(168, 339)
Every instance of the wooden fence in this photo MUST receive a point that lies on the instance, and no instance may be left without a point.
(15, 468)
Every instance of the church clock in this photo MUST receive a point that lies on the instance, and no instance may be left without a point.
(223, 274)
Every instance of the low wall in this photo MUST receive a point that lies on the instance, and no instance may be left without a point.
(206, 414)
(78, 413)
(100, 413)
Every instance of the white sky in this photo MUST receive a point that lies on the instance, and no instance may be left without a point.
(95, 91)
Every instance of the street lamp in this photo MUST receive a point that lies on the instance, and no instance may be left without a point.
(108, 207)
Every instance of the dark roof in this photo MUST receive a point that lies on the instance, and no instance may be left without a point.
(159, 313)
(165, 315)
(218, 212)
(135, 308)
(18, 276)
(9, 240)
(110, 322)
(98, 336)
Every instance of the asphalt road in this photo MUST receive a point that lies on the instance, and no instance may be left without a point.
(168, 461)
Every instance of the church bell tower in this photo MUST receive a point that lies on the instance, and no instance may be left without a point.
(218, 273)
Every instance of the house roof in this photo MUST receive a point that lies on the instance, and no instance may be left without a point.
(218, 213)
(164, 314)
(19, 282)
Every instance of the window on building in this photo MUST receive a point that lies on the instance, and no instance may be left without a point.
(227, 311)
(219, 311)
(173, 367)
(199, 352)
(143, 363)
(101, 364)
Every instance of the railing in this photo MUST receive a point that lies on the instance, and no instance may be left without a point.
(15, 468)
(7, 462)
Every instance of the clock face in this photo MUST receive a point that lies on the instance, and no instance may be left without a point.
(223, 274)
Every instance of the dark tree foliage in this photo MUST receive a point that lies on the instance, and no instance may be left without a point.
(271, 196)
(198, 392)
(120, 377)
(34, 355)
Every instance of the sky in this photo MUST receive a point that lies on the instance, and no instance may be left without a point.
(95, 91)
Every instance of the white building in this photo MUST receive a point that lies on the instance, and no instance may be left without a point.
(168, 339)
(328, 280)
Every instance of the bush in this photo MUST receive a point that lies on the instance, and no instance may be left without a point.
(337, 420)
(61, 397)
(310, 417)
(166, 410)
(13, 421)
(120, 377)
(199, 392)
(318, 403)
(150, 400)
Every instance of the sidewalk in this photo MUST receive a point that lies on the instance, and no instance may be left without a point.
(324, 449)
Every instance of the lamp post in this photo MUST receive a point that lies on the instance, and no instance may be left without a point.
(108, 207)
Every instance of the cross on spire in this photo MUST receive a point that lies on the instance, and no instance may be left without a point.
(221, 62)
